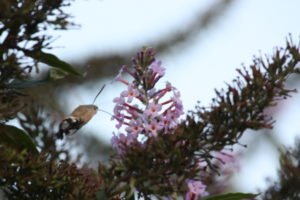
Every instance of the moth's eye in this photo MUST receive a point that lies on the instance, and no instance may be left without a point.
(64, 124)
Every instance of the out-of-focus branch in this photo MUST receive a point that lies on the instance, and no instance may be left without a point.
(102, 66)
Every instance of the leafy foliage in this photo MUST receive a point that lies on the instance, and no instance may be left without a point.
(24, 174)
(30, 176)
(288, 186)
(27, 175)
(23, 26)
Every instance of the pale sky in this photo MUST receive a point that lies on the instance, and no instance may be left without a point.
(248, 28)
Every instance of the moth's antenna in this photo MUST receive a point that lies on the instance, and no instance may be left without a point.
(98, 93)
(96, 98)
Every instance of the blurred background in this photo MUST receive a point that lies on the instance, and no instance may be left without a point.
(200, 43)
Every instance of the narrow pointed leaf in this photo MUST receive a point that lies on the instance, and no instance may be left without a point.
(53, 61)
(16, 138)
(233, 196)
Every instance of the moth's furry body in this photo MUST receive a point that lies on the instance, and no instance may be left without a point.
(78, 118)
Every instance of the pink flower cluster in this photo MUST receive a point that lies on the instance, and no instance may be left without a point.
(195, 190)
(142, 110)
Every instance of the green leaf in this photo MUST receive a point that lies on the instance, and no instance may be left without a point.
(101, 195)
(16, 138)
(53, 61)
(233, 196)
